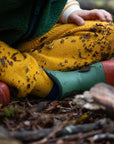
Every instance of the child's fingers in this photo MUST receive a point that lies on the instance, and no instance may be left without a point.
(79, 17)
(108, 16)
(74, 18)
(101, 15)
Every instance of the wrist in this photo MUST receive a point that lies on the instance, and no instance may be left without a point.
(71, 6)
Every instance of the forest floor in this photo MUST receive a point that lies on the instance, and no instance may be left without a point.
(33, 121)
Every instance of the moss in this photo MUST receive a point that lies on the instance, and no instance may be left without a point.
(9, 111)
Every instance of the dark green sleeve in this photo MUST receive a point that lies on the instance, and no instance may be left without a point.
(50, 16)
(16, 16)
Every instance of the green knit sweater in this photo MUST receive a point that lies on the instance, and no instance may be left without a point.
(23, 20)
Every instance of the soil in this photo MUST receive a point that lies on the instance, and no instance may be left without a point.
(33, 114)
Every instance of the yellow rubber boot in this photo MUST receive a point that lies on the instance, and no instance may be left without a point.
(22, 72)
(69, 47)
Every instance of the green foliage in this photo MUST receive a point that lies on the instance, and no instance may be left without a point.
(10, 111)
(82, 118)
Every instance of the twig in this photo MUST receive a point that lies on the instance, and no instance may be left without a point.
(73, 137)
(82, 128)
(39, 134)
(80, 135)
(31, 135)
(105, 136)
(52, 134)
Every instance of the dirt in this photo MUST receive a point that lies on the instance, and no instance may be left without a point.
(31, 114)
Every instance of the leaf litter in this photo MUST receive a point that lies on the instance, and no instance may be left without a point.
(57, 122)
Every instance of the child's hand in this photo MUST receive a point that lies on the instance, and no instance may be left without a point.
(79, 16)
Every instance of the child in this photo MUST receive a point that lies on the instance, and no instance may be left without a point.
(43, 43)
